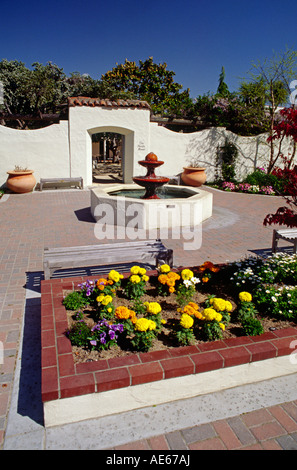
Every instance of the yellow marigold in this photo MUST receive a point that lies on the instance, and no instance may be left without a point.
(135, 279)
(152, 325)
(210, 314)
(153, 307)
(165, 268)
(187, 274)
(145, 278)
(245, 297)
(122, 312)
(115, 276)
(222, 326)
(100, 298)
(219, 304)
(142, 324)
(134, 270)
(228, 306)
(186, 321)
(107, 300)
(142, 271)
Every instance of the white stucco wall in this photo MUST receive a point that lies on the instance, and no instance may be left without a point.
(46, 151)
(178, 150)
(65, 149)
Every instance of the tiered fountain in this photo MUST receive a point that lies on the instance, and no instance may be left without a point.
(151, 207)
(150, 181)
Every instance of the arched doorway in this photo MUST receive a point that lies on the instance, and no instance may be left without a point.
(111, 150)
(107, 157)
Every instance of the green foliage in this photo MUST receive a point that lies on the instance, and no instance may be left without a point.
(278, 302)
(79, 334)
(245, 311)
(74, 301)
(261, 178)
(226, 159)
(150, 82)
(252, 326)
(142, 340)
(185, 336)
(211, 330)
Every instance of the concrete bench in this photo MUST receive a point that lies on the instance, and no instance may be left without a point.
(98, 255)
(77, 181)
(290, 235)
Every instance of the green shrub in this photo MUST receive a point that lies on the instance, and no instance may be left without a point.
(252, 327)
(260, 178)
(79, 334)
(74, 301)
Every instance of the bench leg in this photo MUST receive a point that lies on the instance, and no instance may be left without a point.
(47, 271)
(165, 258)
(274, 241)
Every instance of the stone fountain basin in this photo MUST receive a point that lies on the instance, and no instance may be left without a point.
(170, 213)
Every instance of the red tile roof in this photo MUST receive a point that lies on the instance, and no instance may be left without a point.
(92, 102)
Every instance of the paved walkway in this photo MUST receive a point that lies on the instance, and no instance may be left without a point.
(33, 221)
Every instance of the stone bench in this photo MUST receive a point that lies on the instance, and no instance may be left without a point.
(77, 181)
(98, 255)
(290, 235)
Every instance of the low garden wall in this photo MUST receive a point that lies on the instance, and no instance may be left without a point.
(63, 379)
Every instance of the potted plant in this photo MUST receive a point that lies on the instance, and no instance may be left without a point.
(20, 180)
(193, 175)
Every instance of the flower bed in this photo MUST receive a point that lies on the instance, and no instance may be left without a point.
(205, 325)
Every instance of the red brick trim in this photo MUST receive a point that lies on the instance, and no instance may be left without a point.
(62, 378)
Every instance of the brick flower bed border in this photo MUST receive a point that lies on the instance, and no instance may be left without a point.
(62, 378)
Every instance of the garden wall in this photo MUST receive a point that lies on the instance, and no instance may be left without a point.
(65, 149)
(46, 151)
(178, 150)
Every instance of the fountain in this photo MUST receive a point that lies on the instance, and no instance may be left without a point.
(150, 202)
(150, 181)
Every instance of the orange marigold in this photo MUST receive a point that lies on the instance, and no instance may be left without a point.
(101, 283)
(122, 312)
(162, 278)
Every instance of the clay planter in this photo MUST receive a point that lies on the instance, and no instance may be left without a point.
(193, 176)
(21, 181)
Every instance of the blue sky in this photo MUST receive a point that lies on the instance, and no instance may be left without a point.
(194, 38)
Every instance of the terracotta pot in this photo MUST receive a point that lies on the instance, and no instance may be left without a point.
(193, 176)
(21, 181)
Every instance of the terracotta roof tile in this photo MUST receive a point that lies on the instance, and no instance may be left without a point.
(92, 102)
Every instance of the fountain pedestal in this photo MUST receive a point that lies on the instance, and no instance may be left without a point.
(150, 181)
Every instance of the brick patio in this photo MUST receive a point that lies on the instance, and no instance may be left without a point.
(33, 221)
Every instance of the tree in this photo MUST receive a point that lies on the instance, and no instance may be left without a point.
(286, 127)
(152, 83)
(286, 215)
(222, 87)
(272, 80)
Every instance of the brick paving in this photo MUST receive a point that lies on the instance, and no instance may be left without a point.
(33, 221)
